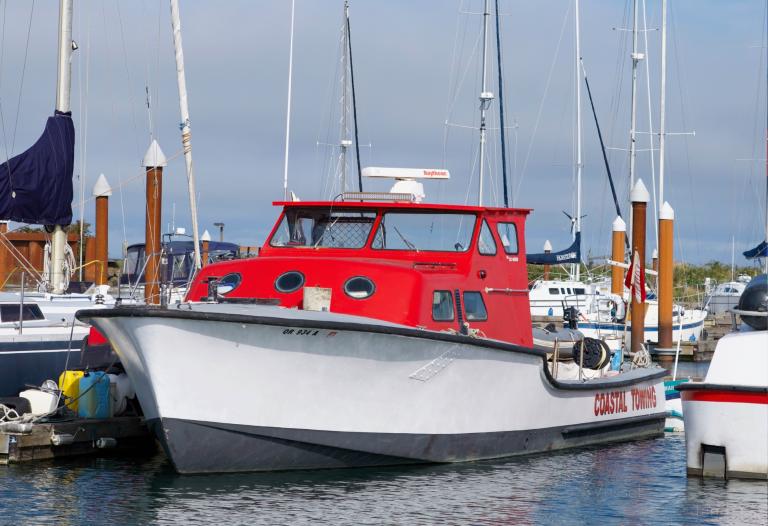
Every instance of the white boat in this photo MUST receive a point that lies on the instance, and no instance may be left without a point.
(726, 415)
(547, 297)
(366, 366)
(725, 296)
(602, 317)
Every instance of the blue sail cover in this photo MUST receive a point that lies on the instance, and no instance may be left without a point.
(36, 185)
(760, 251)
(571, 254)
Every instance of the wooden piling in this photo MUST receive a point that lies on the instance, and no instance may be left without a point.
(5, 256)
(206, 240)
(102, 191)
(639, 197)
(154, 162)
(619, 228)
(665, 277)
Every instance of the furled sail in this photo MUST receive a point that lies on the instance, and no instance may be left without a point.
(760, 251)
(572, 254)
(36, 185)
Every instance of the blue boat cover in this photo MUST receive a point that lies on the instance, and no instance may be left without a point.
(572, 254)
(760, 251)
(36, 185)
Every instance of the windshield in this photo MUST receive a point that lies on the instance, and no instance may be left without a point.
(425, 232)
(323, 228)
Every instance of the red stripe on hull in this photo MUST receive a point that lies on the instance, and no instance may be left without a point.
(740, 397)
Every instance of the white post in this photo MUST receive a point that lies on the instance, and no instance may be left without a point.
(662, 104)
(63, 88)
(186, 132)
(577, 273)
(485, 101)
(288, 110)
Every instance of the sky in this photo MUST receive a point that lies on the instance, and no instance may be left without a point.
(417, 67)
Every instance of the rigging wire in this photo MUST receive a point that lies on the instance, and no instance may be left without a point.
(23, 74)
(541, 107)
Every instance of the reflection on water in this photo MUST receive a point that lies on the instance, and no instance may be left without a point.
(635, 483)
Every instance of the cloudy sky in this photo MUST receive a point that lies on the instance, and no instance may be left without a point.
(416, 67)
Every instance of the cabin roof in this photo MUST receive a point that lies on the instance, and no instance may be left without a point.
(421, 207)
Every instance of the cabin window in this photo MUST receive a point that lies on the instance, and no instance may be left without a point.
(570, 291)
(579, 291)
(359, 287)
(323, 228)
(508, 234)
(442, 305)
(229, 283)
(290, 281)
(554, 291)
(562, 290)
(474, 306)
(424, 232)
(29, 312)
(485, 243)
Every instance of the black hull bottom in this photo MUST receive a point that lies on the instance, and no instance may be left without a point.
(207, 447)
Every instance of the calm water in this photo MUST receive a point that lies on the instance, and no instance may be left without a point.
(638, 483)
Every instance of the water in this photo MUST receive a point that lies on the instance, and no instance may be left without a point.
(634, 483)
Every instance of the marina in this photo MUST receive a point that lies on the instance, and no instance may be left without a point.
(236, 338)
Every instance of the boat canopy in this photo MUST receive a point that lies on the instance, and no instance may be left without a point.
(36, 185)
(572, 254)
(180, 260)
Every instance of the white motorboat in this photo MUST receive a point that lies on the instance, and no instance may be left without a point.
(725, 296)
(726, 415)
(376, 341)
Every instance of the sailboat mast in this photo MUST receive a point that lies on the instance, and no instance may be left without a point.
(502, 126)
(662, 104)
(344, 142)
(186, 131)
(765, 259)
(288, 110)
(577, 266)
(636, 57)
(485, 101)
(63, 89)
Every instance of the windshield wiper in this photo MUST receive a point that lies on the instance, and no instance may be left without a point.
(410, 245)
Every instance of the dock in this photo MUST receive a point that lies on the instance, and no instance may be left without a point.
(43, 441)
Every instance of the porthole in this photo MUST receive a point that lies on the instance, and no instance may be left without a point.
(228, 283)
(290, 281)
(359, 287)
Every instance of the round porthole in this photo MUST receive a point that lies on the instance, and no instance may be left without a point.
(228, 283)
(359, 287)
(289, 282)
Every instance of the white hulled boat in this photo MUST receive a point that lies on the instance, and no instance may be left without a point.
(726, 415)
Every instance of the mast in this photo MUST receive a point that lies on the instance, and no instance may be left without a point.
(63, 88)
(485, 101)
(502, 127)
(354, 103)
(344, 142)
(288, 110)
(186, 131)
(765, 259)
(577, 266)
(636, 57)
(662, 104)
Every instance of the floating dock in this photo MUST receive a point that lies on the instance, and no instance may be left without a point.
(42, 441)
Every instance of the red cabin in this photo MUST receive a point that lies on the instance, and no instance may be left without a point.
(438, 267)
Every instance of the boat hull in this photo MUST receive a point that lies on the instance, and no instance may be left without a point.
(728, 421)
(231, 392)
(30, 360)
